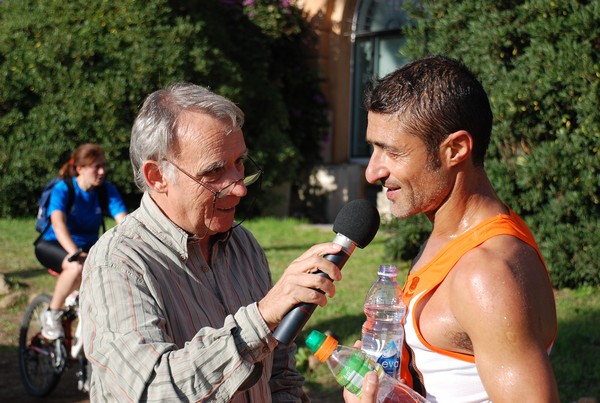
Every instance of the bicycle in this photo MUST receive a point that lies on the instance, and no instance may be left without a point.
(42, 362)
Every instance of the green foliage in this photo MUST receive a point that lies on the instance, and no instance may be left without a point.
(539, 62)
(405, 237)
(77, 71)
(292, 71)
(74, 72)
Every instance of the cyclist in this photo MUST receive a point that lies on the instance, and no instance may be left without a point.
(64, 246)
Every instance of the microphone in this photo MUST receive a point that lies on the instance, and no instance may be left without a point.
(355, 225)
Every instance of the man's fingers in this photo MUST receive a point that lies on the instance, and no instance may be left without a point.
(370, 384)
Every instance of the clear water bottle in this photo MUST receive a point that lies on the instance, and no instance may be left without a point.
(349, 366)
(382, 332)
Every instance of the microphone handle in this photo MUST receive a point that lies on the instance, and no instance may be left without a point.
(294, 320)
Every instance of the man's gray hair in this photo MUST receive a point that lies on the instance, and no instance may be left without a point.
(154, 131)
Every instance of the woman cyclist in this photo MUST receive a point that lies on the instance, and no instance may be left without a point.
(64, 246)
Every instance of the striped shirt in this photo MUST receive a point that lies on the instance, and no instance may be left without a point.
(160, 323)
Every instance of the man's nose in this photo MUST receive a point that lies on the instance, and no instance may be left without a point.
(375, 170)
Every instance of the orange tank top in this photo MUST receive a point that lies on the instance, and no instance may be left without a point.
(426, 280)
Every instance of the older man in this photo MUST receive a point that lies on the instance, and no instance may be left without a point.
(178, 303)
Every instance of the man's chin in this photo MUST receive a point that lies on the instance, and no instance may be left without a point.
(220, 227)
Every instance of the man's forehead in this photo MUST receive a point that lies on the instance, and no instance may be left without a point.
(211, 146)
(201, 124)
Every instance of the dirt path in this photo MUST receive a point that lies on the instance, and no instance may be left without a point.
(11, 387)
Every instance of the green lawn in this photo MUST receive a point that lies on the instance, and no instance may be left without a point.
(575, 356)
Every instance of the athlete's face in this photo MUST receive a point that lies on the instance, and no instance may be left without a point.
(401, 163)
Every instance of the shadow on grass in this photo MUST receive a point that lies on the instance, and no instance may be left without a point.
(345, 329)
(296, 246)
(28, 273)
(12, 389)
(576, 356)
(341, 328)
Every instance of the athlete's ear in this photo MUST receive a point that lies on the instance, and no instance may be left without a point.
(154, 176)
(456, 148)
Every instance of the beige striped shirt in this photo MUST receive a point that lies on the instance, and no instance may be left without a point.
(162, 324)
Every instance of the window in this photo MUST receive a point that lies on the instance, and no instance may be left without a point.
(377, 38)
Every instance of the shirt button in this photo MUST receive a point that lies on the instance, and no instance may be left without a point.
(266, 350)
(205, 269)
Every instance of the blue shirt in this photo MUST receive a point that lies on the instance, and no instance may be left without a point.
(85, 216)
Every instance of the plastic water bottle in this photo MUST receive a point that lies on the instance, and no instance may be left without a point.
(382, 332)
(349, 366)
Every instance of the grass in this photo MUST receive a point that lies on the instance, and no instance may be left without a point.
(575, 355)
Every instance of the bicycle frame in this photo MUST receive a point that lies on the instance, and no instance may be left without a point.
(42, 362)
(75, 349)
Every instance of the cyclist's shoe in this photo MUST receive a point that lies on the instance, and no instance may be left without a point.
(52, 327)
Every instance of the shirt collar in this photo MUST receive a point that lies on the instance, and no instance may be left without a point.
(170, 233)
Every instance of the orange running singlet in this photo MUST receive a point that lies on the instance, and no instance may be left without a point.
(438, 374)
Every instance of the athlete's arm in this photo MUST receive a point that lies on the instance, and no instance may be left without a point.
(503, 300)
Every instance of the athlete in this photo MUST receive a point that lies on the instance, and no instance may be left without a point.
(481, 316)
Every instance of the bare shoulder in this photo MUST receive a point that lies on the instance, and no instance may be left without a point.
(504, 281)
(505, 258)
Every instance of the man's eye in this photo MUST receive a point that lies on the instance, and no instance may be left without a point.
(212, 176)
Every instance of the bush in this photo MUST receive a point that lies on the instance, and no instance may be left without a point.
(539, 62)
(404, 238)
(77, 71)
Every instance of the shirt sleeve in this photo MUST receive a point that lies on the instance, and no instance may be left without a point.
(134, 358)
(59, 198)
(115, 201)
(286, 382)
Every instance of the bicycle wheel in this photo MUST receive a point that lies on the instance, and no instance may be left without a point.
(36, 354)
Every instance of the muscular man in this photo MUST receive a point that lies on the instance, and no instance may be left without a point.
(481, 315)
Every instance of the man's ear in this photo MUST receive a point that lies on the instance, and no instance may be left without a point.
(154, 176)
(457, 147)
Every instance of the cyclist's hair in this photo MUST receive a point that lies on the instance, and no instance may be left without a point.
(433, 97)
(155, 130)
(84, 155)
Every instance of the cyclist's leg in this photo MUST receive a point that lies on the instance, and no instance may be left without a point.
(50, 254)
(68, 281)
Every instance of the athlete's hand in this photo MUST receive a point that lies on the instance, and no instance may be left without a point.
(369, 390)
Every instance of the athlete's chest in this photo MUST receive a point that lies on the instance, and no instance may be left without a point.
(437, 321)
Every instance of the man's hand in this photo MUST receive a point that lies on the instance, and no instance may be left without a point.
(369, 386)
(369, 390)
(299, 283)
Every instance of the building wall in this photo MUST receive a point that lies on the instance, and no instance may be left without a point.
(332, 20)
(341, 179)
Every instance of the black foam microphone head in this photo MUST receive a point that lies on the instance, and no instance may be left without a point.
(359, 221)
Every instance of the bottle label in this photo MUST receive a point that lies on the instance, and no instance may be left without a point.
(390, 360)
(352, 374)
